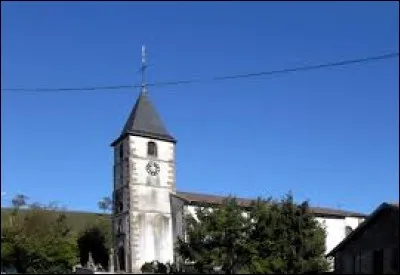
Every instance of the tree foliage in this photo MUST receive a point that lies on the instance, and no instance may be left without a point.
(105, 204)
(157, 267)
(216, 238)
(19, 200)
(38, 242)
(96, 239)
(269, 237)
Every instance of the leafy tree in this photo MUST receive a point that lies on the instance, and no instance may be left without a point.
(274, 237)
(105, 204)
(285, 238)
(216, 238)
(157, 267)
(96, 239)
(19, 200)
(40, 242)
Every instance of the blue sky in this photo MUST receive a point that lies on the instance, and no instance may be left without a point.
(330, 135)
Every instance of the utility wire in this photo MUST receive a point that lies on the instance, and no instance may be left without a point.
(219, 78)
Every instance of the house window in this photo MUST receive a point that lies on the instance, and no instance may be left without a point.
(348, 230)
(395, 260)
(357, 263)
(152, 149)
(378, 261)
(354, 264)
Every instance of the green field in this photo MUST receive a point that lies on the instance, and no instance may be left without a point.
(78, 221)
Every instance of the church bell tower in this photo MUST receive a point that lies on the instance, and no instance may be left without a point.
(144, 178)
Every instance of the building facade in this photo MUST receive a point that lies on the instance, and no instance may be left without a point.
(148, 211)
(373, 248)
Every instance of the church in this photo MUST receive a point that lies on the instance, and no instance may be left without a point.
(148, 211)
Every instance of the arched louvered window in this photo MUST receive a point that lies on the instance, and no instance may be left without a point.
(348, 230)
(152, 149)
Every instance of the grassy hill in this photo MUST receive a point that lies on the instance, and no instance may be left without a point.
(77, 220)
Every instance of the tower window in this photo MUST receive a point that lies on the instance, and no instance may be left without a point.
(121, 151)
(119, 207)
(152, 149)
(119, 229)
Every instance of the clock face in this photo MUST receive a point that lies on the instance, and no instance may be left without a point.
(153, 168)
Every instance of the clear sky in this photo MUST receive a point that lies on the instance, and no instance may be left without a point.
(330, 135)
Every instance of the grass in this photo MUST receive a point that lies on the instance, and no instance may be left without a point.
(78, 221)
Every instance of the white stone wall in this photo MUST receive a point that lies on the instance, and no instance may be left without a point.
(155, 229)
(150, 207)
(336, 229)
(165, 148)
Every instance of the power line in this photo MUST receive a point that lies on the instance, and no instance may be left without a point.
(219, 78)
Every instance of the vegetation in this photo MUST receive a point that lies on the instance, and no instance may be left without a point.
(105, 204)
(38, 242)
(77, 221)
(157, 267)
(47, 239)
(95, 239)
(273, 237)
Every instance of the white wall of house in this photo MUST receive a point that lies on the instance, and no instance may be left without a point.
(336, 229)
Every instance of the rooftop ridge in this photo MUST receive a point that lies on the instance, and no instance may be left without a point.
(192, 197)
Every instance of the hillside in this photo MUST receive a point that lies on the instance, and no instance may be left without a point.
(77, 220)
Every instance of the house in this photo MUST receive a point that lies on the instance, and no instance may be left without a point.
(373, 247)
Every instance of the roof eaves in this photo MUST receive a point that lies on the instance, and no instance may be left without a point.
(359, 229)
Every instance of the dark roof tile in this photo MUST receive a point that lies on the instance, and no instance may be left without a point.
(145, 121)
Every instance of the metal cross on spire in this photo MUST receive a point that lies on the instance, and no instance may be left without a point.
(143, 69)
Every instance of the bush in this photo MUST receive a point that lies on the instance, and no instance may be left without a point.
(157, 267)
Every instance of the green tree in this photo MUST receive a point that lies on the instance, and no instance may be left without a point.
(105, 204)
(39, 242)
(216, 238)
(274, 237)
(285, 238)
(96, 239)
(19, 200)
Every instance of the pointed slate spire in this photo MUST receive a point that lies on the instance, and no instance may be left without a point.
(145, 121)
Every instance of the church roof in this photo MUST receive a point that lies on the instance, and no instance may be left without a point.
(200, 199)
(145, 121)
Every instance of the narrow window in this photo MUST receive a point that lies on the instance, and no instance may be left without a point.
(378, 261)
(119, 230)
(395, 260)
(121, 151)
(152, 149)
(118, 202)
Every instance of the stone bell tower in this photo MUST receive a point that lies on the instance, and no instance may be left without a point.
(144, 178)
